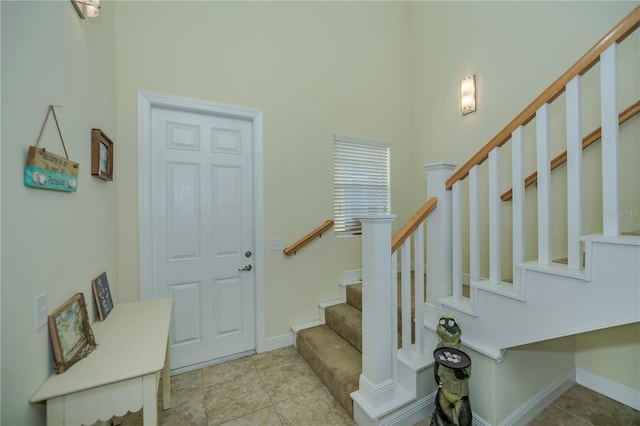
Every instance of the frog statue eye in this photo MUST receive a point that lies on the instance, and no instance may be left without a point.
(451, 323)
(443, 321)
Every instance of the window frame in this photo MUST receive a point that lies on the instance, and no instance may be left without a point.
(350, 175)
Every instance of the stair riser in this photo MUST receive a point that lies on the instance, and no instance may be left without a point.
(354, 296)
(347, 322)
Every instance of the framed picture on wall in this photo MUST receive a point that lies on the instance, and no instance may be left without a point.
(102, 295)
(101, 155)
(71, 335)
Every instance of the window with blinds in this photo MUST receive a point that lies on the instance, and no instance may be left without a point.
(361, 182)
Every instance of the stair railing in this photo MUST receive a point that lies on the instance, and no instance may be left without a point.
(292, 249)
(413, 229)
(604, 52)
(587, 141)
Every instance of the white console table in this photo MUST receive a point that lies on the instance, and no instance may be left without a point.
(122, 374)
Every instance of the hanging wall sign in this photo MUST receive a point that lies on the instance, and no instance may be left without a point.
(46, 170)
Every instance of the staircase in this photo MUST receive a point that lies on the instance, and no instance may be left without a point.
(595, 288)
(334, 349)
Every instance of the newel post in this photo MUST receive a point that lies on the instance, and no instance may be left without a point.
(439, 257)
(378, 347)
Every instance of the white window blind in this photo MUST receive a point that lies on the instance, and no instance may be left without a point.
(361, 182)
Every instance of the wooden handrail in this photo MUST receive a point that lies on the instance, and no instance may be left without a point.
(308, 238)
(587, 141)
(413, 223)
(621, 31)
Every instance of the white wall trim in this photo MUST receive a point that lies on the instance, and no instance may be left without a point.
(278, 342)
(479, 421)
(606, 387)
(148, 100)
(412, 413)
(534, 406)
(351, 277)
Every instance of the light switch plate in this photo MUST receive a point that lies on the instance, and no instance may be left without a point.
(275, 243)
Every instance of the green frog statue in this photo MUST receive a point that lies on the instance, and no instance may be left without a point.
(452, 370)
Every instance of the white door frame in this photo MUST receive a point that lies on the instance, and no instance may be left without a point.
(148, 100)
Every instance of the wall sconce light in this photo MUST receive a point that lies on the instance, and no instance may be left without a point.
(468, 94)
(87, 8)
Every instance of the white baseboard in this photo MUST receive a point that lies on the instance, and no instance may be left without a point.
(606, 387)
(351, 277)
(479, 421)
(534, 406)
(278, 342)
(412, 413)
(205, 364)
(355, 276)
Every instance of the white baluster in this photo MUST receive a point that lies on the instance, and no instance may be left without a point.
(405, 276)
(574, 173)
(418, 261)
(394, 309)
(474, 225)
(609, 111)
(517, 200)
(544, 185)
(456, 212)
(494, 216)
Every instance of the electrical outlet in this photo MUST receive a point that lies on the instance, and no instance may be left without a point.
(41, 310)
(275, 243)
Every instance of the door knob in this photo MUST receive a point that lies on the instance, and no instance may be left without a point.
(246, 268)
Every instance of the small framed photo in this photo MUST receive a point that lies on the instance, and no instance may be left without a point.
(102, 295)
(101, 155)
(71, 335)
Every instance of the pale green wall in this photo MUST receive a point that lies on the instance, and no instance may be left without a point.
(52, 242)
(613, 353)
(498, 389)
(528, 370)
(314, 69)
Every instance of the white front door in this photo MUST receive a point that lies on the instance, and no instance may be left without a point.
(202, 231)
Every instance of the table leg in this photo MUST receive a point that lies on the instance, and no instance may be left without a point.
(166, 382)
(149, 400)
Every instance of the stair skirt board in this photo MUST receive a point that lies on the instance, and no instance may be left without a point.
(611, 260)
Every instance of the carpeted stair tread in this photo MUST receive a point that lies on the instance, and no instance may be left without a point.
(346, 320)
(335, 361)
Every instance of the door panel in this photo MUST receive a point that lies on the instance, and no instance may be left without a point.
(187, 330)
(202, 192)
(183, 225)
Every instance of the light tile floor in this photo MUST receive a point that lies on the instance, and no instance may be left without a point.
(271, 388)
(279, 388)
